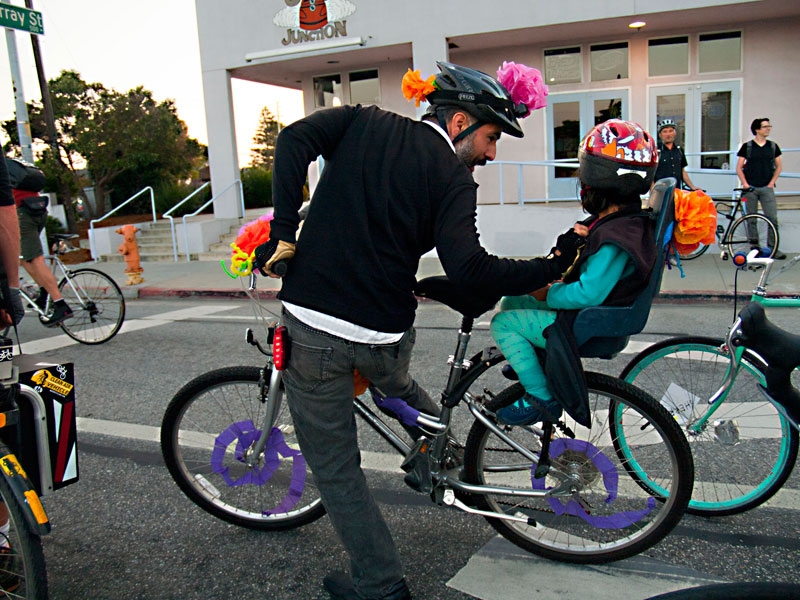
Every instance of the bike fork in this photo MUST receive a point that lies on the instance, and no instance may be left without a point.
(273, 405)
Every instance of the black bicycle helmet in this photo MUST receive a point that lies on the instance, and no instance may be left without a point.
(479, 94)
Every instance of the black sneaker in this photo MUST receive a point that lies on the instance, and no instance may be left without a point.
(61, 311)
(10, 568)
(779, 256)
(340, 587)
(41, 299)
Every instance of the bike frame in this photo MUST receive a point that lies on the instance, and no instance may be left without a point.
(66, 274)
(737, 351)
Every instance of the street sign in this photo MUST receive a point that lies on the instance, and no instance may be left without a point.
(24, 19)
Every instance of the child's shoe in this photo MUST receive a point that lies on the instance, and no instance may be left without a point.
(529, 409)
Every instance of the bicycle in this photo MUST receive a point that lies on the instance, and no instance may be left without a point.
(744, 444)
(558, 490)
(98, 307)
(743, 233)
(23, 572)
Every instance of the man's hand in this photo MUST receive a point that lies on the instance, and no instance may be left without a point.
(17, 310)
(566, 249)
(269, 253)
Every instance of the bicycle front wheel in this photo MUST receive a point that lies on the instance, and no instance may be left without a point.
(209, 429)
(752, 231)
(98, 307)
(22, 568)
(607, 516)
(699, 251)
(743, 448)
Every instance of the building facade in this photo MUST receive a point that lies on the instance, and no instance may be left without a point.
(712, 66)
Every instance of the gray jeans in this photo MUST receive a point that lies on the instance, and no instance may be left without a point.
(766, 196)
(319, 389)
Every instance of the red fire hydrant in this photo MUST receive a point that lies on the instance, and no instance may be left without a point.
(130, 250)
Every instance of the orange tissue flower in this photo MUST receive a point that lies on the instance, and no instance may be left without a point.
(695, 220)
(415, 88)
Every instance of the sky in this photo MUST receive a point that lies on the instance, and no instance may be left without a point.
(124, 44)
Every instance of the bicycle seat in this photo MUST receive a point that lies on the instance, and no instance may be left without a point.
(778, 347)
(65, 236)
(441, 289)
(603, 331)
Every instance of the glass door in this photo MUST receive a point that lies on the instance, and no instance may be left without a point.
(705, 116)
(569, 118)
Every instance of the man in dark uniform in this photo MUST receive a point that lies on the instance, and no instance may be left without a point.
(671, 159)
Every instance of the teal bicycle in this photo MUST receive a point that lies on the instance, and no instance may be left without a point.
(744, 444)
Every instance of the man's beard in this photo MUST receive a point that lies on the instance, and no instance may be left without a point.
(465, 150)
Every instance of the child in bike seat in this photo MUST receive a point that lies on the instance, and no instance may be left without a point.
(617, 162)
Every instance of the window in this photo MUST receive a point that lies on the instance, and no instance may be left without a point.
(327, 91)
(668, 56)
(562, 65)
(609, 61)
(365, 87)
(720, 51)
(673, 106)
(715, 128)
(566, 134)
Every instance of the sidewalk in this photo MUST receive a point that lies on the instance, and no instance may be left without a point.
(707, 278)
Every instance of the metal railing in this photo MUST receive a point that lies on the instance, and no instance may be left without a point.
(573, 163)
(169, 216)
(108, 214)
(185, 231)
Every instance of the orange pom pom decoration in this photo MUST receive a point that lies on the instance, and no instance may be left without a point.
(415, 87)
(695, 220)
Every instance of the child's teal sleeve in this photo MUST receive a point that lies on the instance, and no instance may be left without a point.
(602, 272)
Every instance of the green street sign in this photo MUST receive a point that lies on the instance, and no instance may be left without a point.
(16, 17)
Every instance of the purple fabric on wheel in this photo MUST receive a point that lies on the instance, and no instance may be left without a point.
(245, 434)
(406, 414)
(610, 475)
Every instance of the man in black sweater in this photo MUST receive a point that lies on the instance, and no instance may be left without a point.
(392, 189)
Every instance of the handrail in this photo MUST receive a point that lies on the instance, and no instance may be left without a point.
(186, 233)
(93, 221)
(172, 220)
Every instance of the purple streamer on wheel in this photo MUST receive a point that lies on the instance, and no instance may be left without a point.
(245, 434)
(406, 414)
(610, 476)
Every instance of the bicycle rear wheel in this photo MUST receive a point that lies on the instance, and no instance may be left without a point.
(746, 450)
(98, 307)
(22, 568)
(207, 431)
(752, 231)
(609, 517)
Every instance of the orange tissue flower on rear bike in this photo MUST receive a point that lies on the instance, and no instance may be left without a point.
(415, 87)
(695, 220)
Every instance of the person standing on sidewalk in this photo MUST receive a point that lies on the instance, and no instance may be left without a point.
(9, 252)
(671, 159)
(758, 168)
(393, 188)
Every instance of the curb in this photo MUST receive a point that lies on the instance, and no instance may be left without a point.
(686, 296)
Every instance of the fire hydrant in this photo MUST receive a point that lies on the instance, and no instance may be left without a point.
(130, 250)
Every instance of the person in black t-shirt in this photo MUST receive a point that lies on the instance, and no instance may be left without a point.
(671, 159)
(9, 249)
(758, 168)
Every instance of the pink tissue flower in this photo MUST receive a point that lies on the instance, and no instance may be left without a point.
(524, 84)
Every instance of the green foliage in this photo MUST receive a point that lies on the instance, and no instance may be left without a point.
(52, 226)
(257, 186)
(263, 154)
(170, 193)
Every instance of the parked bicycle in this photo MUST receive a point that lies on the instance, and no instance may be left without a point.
(743, 233)
(98, 307)
(744, 439)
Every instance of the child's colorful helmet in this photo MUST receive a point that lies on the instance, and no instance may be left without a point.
(618, 156)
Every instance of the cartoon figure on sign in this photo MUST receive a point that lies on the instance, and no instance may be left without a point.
(130, 250)
(311, 15)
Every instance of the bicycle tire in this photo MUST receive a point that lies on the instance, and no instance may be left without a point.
(738, 238)
(617, 525)
(699, 251)
(730, 479)
(206, 430)
(98, 309)
(23, 565)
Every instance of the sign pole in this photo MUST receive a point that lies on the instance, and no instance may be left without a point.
(23, 126)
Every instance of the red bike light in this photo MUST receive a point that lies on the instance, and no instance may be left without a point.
(739, 259)
(279, 348)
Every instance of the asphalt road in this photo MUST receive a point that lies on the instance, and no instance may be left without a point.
(125, 531)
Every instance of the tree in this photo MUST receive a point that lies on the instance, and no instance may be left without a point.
(121, 138)
(266, 135)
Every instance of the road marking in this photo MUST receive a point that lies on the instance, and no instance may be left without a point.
(60, 341)
(382, 462)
